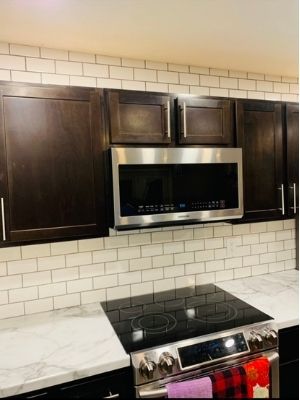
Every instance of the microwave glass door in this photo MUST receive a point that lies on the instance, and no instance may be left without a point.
(174, 188)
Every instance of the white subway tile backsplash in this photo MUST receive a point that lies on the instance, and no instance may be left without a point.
(152, 274)
(3, 269)
(22, 50)
(222, 231)
(152, 250)
(276, 267)
(256, 95)
(235, 262)
(12, 310)
(118, 292)
(54, 262)
(192, 245)
(219, 92)
(129, 252)
(145, 75)
(183, 234)
(36, 278)
(289, 244)
(259, 248)
(142, 263)
(284, 255)
(267, 258)
(84, 81)
(290, 97)
(200, 91)
(176, 270)
(68, 67)
(229, 83)
(64, 274)
(246, 84)
(252, 75)
(95, 70)
(267, 237)
(156, 87)
(199, 70)
(114, 242)
(260, 269)
(81, 57)
(218, 72)
(281, 87)
(90, 244)
(258, 227)
(77, 259)
(5, 75)
(242, 272)
(275, 246)
(216, 265)
(133, 85)
(194, 268)
(27, 77)
(107, 281)
(93, 296)
(52, 289)
(156, 65)
(21, 266)
(250, 260)
(273, 226)
(173, 247)
(139, 289)
(79, 285)
(183, 281)
(164, 284)
(183, 258)
(23, 294)
(10, 282)
(242, 229)
(109, 83)
(68, 300)
(178, 67)
(211, 81)
(213, 243)
(204, 255)
(241, 94)
(203, 279)
(130, 277)
(203, 233)
(40, 65)
(273, 96)
(64, 247)
(161, 237)
(238, 74)
(104, 256)
(290, 264)
(121, 72)
(108, 60)
(189, 79)
(3, 297)
(36, 250)
(86, 271)
(55, 79)
(163, 260)
(54, 54)
(224, 275)
(167, 77)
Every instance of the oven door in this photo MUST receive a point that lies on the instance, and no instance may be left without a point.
(158, 389)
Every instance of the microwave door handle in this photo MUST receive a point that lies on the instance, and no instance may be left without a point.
(152, 394)
(184, 120)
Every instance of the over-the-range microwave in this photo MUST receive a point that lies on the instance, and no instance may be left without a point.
(166, 186)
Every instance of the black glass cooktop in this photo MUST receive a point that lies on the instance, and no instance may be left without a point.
(165, 317)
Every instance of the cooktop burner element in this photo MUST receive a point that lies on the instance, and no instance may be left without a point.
(166, 317)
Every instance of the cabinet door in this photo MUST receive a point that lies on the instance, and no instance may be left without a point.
(259, 134)
(292, 133)
(289, 362)
(204, 121)
(51, 179)
(139, 117)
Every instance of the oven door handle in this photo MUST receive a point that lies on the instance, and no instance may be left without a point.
(272, 356)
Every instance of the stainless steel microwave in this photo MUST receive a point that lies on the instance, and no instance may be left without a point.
(166, 186)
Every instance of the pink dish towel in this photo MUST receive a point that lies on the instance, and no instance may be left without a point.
(194, 389)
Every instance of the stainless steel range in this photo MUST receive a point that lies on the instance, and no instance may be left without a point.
(189, 333)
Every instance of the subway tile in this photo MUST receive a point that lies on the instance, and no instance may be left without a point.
(115, 242)
(130, 277)
(246, 84)
(259, 269)
(36, 278)
(109, 83)
(233, 241)
(156, 87)
(3, 297)
(137, 264)
(167, 77)
(11, 310)
(289, 244)
(93, 296)
(242, 229)
(129, 252)
(275, 246)
(274, 78)
(64, 274)
(189, 79)
(240, 251)
(281, 87)
(36, 250)
(10, 282)
(238, 74)
(52, 289)
(224, 275)
(28, 77)
(152, 274)
(133, 85)
(139, 289)
(264, 86)
(40, 65)
(21, 266)
(64, 248)
(241, 94)
(234, 262)
(203, 279)
(82, 57)
(290, 264)
(77, 259)
(289, 79)
(252, 75)
(156, 65)
(120, 72)
(105, 281)
(180, 89)
(211, 81)
(194, 268)
(54, 54)
(108, 60)
(95, 70)
(176, 270)
(266, 237)
(53, 262)
(4, 75)
(276, 267)
(3, 269)
(222, 231)
(173, 247)
(84, 81)
(90, 244)
(129, 62)
(79, 285)
(258, 227)
(163, 260)
(184, 258)
(164, 284)
(104, 256)
(256, 95)
(294, 88)
(184, 281)
(200, 91)
(273, 96)
(202, 233)
(23, 294)
(4, 48)
(116, 267)
(283, 235)
(22, 50)
(216, 265)
(139, 239)
(183, 234)
(290, 97)
(274, 226)
(250, 239)
(178, 68)
(119, 292)
(229, 83)
(55, 79)
(204, 255)
(12, 62)
(152, 250)
(218, 92)
(218, 72)
(284, 255)
(86, 271)
(267, 258)
(67, 300)
(250, 260)
(199, 70)
(221, 253)
(242, 272)
(161, 237)
(145, 75)
(192, 245)
(213, 243)
(68, 67)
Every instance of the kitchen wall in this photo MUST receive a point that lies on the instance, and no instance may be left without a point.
(49, 276)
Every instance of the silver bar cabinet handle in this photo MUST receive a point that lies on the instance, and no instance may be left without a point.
(169, 118)
(112, 396)
(282, 199)
(3, 220)
(295, 199)
(184, 120)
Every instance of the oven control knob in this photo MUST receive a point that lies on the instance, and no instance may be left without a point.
(147, 368)
(255, 341)
(271, 337)
(166, 362)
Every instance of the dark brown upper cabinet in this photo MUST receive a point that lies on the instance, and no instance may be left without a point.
(292, 158)
(51, 167)
(139, 117)
(260, 135)
(204, 121)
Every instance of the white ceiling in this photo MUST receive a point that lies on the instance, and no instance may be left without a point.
(246, 35)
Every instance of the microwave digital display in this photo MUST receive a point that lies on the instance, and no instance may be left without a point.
(167, 188)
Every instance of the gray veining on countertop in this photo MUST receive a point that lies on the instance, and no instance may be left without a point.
(56, 347)
(275, 294)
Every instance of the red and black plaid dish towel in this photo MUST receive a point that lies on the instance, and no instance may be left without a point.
(230, 383)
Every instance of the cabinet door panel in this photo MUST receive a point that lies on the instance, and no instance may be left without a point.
(138, 117)
(204, 121)
(51, 155)
(292, 132)
(259, 133)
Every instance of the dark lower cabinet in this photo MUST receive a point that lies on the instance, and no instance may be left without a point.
(111, 385)
(289, 362)
(51, 163)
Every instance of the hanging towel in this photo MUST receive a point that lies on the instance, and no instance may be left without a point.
(194, 389)
(258, 381)
(230, 383)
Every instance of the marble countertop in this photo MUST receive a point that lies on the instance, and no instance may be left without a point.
(55, 347)
(275, 294)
